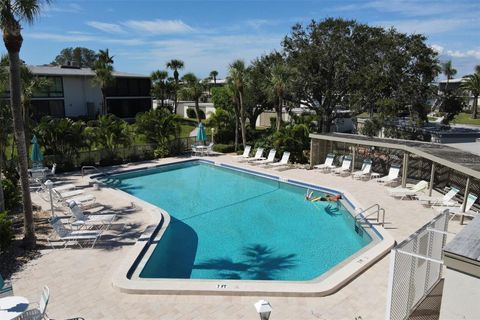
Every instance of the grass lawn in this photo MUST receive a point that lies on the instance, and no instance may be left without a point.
(466, 118)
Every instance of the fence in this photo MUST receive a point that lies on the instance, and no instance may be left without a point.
(416, 267)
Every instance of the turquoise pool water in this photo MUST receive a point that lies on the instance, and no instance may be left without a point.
(227, 224)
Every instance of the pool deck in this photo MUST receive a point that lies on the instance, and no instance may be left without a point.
(80, 280)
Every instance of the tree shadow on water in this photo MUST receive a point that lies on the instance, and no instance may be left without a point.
(260, 263)
(332, 210)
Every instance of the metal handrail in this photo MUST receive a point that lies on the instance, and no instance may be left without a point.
(377, 211)
(89, 168)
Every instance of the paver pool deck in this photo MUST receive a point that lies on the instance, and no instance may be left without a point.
(80, 280)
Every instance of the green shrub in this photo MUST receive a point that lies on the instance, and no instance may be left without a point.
(148, 155)
(161, 151)
(6, 231)
(88, 162)
(110, 161)
(224, 148)
(11, 193)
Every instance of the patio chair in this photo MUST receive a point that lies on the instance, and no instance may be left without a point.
(345, 168)
(40, 311)
(445, 201)
(68, 236)
(328, 164)
(402, 193)
(209, 149)
(6, 289)
(245, 154)
(270, 158)
(258, 155)
(393, 175)
(81, 219)
(365, 171)
(282, 162)
(457, 211)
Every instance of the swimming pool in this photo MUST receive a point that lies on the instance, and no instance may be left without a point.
(231, 224)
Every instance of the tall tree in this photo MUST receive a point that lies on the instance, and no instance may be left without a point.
(175, 65)
(159, 85)
(237, 75)
(11, 13)
(213, 76)
(449, 71)
(104, 78)
(193, 89)
(83, 57)
(277, 86)
(471, 85)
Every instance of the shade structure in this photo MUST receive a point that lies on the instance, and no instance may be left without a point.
(37, 155)
(201, 134)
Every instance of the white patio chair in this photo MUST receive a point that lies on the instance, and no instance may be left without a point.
(393, 175)
(283, 161)
(209, 149)
(270, 158)
(258, 156)
(445, 201)
(328, 164)
(402, 193)
(81, 219)
(245, 154)
(365, 171)
(67, 236)
(457, 211)
(40, 311)
(345, 168)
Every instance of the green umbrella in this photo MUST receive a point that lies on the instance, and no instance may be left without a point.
(37, 155)
(201, 134)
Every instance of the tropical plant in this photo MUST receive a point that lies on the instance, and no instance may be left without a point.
(103, 68)
(449, 71)
(224, 123)
(157, 126)
(451, 105)
(83, 57)
(111, 133)
(160, 86)
(293, 138)
(12, 12)
(277, 87)
(213, 75)
(175, 65)
(6, 231)
(192, 89)
(237, 77)
(471, 85)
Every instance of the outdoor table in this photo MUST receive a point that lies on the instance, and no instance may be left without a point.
(375, 175)
(12, 307)
(38, 172)
(202, 149)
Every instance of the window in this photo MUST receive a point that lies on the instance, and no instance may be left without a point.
(129, 87)
(41, 108)
(55, 89)
(128, 108)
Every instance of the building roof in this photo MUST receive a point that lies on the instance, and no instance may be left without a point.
(456, 80)
(81, 72)
(466, 243)
(459, 160)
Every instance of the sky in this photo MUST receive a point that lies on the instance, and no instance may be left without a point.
(207, 35)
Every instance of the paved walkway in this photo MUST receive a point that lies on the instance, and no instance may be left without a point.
(80, 280)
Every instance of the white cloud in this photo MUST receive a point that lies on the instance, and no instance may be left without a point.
(159, 26)
(464, 54)
(105, 27)
(74, 38)
(438, 48)
(69, 8)
(425, 26)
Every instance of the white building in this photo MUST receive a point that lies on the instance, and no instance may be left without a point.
(73, 94)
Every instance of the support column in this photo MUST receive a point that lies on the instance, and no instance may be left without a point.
(404, 169)
(432, 179)
(353, 158)
(465, 198)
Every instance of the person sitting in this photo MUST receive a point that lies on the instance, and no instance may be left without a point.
(327, 197)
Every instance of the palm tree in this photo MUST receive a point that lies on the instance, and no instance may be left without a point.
(192, 89)
(103, 68)
(277, 87)
(159, 88)
(472, 85)
(237, 75)
(213, 76)
(11, 13)
(477, 69)
(448, 71)
(175, 65)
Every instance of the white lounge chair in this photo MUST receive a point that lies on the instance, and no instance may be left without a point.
(283, 161)
(82, 219)
(258, 156)
(40, 311)
(457, 211)
(68, 236)
(270, 158)
(408, 192)
(246, 153)
(365, 171)
(82, 200)
(209, 149)
(393, 175)
(345, 168)
(445, 201)
(328, 164)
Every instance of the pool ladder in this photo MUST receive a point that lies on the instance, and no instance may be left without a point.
(373, 209)
(89, 168)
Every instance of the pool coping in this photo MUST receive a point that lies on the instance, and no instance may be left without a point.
(331, 281)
